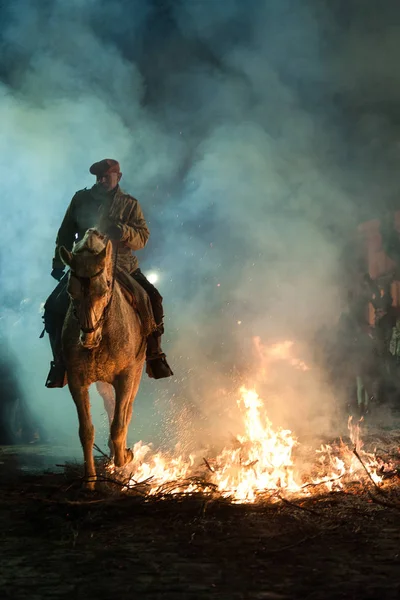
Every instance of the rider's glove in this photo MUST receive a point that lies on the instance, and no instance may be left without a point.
(57, 273)
(114, 231)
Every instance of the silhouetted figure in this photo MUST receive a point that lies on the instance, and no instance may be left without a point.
(16, 421)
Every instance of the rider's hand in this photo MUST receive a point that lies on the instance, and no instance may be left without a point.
(57, 274)
(114, 231)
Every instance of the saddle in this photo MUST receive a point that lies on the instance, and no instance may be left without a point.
(127, 292)
(138, 298)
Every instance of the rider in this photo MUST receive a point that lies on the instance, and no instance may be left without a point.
(123, 222)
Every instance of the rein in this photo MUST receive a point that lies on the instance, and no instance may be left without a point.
(85, 283)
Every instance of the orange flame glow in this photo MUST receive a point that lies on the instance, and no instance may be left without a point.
(261, 462)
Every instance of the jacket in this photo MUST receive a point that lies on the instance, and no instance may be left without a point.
(86, 211)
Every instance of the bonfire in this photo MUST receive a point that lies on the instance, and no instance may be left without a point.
(260, 464)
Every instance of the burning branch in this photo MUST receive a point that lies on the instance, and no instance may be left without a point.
(356, 454)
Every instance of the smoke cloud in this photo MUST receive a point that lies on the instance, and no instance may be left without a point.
(255, 135)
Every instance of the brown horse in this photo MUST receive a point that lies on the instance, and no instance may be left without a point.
(102, 342)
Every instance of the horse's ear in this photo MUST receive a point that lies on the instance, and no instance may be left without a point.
(65, 256)
(106, 253)
(109, 250)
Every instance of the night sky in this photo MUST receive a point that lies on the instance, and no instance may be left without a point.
(256, 136)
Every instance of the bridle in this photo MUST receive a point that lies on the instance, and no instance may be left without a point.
(85, 306)
(85, 286)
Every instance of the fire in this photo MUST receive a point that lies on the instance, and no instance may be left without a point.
(260, 463)
(263, 459)
(159, 469)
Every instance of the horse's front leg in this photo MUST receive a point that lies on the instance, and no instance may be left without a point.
(80, 394)
(119, 428)
(106, 391)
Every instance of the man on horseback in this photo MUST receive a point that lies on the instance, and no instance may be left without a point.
(119, 216)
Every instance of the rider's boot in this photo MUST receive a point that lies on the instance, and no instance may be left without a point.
(57, 377)
(156, 361)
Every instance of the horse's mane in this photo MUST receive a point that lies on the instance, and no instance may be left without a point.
(92, 243)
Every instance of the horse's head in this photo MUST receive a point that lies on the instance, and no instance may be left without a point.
(90, 284)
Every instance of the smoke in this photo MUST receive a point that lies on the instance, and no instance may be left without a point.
(255, 136)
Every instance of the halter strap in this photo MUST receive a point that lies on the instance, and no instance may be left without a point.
(85, 282)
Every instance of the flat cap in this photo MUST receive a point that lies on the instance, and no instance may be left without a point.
(104, 167)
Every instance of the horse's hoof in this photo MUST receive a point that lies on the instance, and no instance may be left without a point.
(89, 485)
(128, 455)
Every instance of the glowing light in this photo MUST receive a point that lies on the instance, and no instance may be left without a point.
(153, 277)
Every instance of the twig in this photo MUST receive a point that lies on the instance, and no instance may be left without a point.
(73, 483)
(367, 472)
(266, 495)
(144, 482)
(209, 467)
(120, 484)
(286, 501)
(95, 446)
(251, 464)
(385, 503)
(312, 484)
(86, 502)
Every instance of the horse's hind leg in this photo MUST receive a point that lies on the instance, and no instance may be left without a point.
(106, 391)
(80, 394)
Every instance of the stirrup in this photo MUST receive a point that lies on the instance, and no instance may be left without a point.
(158, 368)
(57, 377)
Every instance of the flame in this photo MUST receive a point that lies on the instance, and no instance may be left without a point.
(261, 462)
(159, 469)
(263, 459)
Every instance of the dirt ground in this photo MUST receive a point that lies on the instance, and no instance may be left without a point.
(57, 542)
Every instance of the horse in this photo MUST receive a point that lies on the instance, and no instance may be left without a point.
(102, 341)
